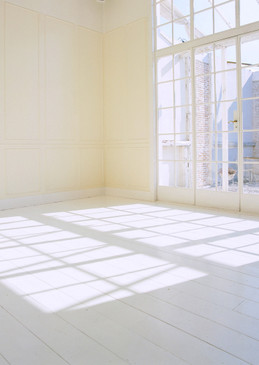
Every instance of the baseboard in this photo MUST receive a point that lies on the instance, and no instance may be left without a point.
(49, 198)
(131, 194)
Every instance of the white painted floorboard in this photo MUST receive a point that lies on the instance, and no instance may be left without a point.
(116, 281)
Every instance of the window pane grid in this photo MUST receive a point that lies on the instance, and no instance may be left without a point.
(219, 106)
(175, 123)
(210, 17)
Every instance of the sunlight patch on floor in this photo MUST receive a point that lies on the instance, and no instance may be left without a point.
(96, 258)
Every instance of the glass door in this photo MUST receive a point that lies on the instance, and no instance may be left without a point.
(249, 46)
(207, 102)
(208, 125)
(174, 115)
(217, 124)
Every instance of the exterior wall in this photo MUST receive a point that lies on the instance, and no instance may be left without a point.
(51, 102)
(203, 142)
(256, 126)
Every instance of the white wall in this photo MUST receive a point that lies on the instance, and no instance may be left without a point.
(51, 102)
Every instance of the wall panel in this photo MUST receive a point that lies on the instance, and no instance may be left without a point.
(86, 13)
(51, 103)
(2, 173)
(21, 74)
(115, 85)
(92, 174)
(126, 83)
(136, 43)
(127, 167)
(90, 85)
(115, 167)
(62, 169)
(126, 107)
(137, 167)
(61, 116)
(2, 73)
(22, 170)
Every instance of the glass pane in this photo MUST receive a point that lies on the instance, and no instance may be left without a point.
(182, 65)
(182, 30)
(183, 147)
(183, 174)
(165, 95)
(204, 60)
(203, 24)
(251, 146)
(205, 176)
(181, 8)
(226, 116)
(164, 36)
(204, 89)
(251, 178)
(250, 114)
(183, 119)
(248, 46)
(166, 147)
(250, 82)
(183, 92)
(227, 146)
(225, 55)
(165, 69)
(165, 121)
(201, 4)
(225, 17)
(166, 173)
(227, 177)
(205, 118)
(206, 147)
(216, 2)
(249, 11)
(226, 85)
(163, 12)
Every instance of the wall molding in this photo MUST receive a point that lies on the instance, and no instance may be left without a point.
(49, 198)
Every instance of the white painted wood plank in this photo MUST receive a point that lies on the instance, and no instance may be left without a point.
(3, 361)
(71, 270)
(166, 336)
(251, 309)
(126, 344)
(64, 339)
(244, 348)
(19, 346)
(228, 318)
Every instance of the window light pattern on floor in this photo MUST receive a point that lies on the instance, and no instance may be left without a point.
(185, 269)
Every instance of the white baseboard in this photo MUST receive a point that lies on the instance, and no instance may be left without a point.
(131, 194)
(49, 198)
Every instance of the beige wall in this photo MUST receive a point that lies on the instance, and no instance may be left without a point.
(127, 99)
(86, 13)
(64, 87)
(51, 102)
(118, 13)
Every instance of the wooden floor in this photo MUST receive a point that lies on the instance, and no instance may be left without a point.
(114, 281)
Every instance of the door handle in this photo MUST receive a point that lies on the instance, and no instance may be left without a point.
(233, 121)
